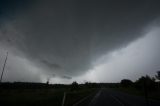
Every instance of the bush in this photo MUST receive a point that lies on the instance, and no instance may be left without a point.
(74, 86)
(126, 83)
(145, 82)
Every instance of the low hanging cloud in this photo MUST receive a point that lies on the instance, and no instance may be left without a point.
(66, 77)
(138, 59)
(66, 38)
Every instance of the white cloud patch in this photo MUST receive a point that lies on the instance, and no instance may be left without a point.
(139, 58)
(19, 68)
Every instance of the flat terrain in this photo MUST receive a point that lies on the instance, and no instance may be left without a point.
(42, 97)
(81, 97)
(108, 97)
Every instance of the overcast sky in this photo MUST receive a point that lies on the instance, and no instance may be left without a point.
(79, 40)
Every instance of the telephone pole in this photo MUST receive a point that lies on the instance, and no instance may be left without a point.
(3, 67)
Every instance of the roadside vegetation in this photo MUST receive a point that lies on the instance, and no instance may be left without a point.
(40, 94)
(146, 86)
(45, 94)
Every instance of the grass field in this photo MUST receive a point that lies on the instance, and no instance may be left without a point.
(41, 97)
(74, 97)
(31, 97)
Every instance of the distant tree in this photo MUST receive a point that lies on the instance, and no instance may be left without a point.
(158, 78)
(47, 82)
(87, 84)
(145, 82)
(126, 82)
(74, 86)
(158, 75)
(92, 85)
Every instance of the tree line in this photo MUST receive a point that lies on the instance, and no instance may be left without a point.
(144, 82)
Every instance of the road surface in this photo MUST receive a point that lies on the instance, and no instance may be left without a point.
(108, 97)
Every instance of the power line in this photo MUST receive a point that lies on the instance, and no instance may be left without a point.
(3, 67)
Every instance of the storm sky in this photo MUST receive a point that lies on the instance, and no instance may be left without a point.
(79, 40)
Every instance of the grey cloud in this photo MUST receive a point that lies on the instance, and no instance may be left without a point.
(60, 76)
(19, 69)
(52, 66)
(69, 36)
(66, 77)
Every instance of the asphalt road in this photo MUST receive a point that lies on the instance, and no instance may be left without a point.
(108, 97)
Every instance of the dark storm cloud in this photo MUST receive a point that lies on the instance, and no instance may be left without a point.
(67, 36)
(51, 65)
(66, 77)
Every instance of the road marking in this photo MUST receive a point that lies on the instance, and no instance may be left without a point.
(117, 100)
(81, 100)
(95, 98)
(64, 97)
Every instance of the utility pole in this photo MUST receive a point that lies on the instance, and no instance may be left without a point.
(3, 67)
(146, 91)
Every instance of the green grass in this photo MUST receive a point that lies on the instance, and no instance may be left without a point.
(31, 97)
(154, 95)
(41, 97)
